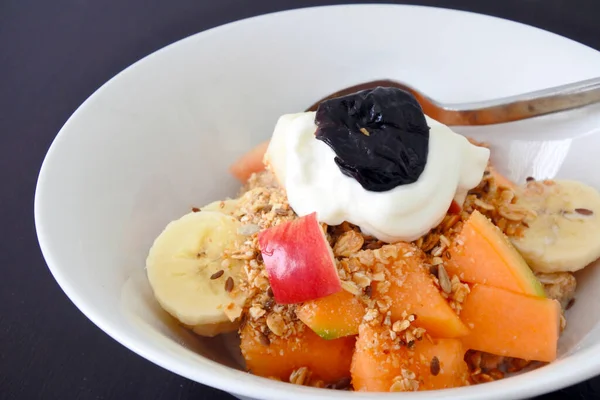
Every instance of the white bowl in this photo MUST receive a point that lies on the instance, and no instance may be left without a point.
(158, 138)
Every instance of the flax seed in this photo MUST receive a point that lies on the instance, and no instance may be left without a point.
(434, 366)
(343, 383)
(217, 274)
(229, 285)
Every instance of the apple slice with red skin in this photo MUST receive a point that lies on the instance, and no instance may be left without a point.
(299, 261)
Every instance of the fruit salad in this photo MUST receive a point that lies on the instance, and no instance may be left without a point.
(371, 248)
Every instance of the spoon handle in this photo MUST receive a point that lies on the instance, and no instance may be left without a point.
(527, 105)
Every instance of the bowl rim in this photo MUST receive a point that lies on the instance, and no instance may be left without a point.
(256, 386)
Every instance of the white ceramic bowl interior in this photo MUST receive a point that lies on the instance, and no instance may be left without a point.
(158, 138)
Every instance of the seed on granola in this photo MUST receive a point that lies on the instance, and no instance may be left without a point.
(217, 274)
(343, 383)
(369, 291)
(264, 339)
(229, 284)
(280, 211)
(434, 366)
(530, 179)
(270, 292)
(269, 304)
(248, 229)
(433, 270)
(445, 283)
(570, 304)
(448, 255)
(195, 209)
(584, 211)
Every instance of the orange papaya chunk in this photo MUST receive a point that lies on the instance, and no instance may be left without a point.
(249, 163)
(378, 363)
(481, 253)
(412, 291)
(511, 324)
(501, 180)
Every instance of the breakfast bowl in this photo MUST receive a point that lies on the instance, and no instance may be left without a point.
(158, 140)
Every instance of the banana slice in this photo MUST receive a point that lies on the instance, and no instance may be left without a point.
(181, 263)
(228, 206)
(565, 235)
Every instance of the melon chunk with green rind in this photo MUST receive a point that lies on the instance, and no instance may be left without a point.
(509, 324)
(278, 357)
(481, 253)
(410, 289)
(333, 316)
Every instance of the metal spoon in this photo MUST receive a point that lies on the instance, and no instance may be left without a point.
(507, 109)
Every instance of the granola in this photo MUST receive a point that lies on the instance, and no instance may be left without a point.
(361, 261)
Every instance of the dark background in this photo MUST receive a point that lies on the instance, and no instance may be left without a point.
(53, 55)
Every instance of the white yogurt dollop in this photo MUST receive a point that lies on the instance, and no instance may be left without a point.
(306, 168)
